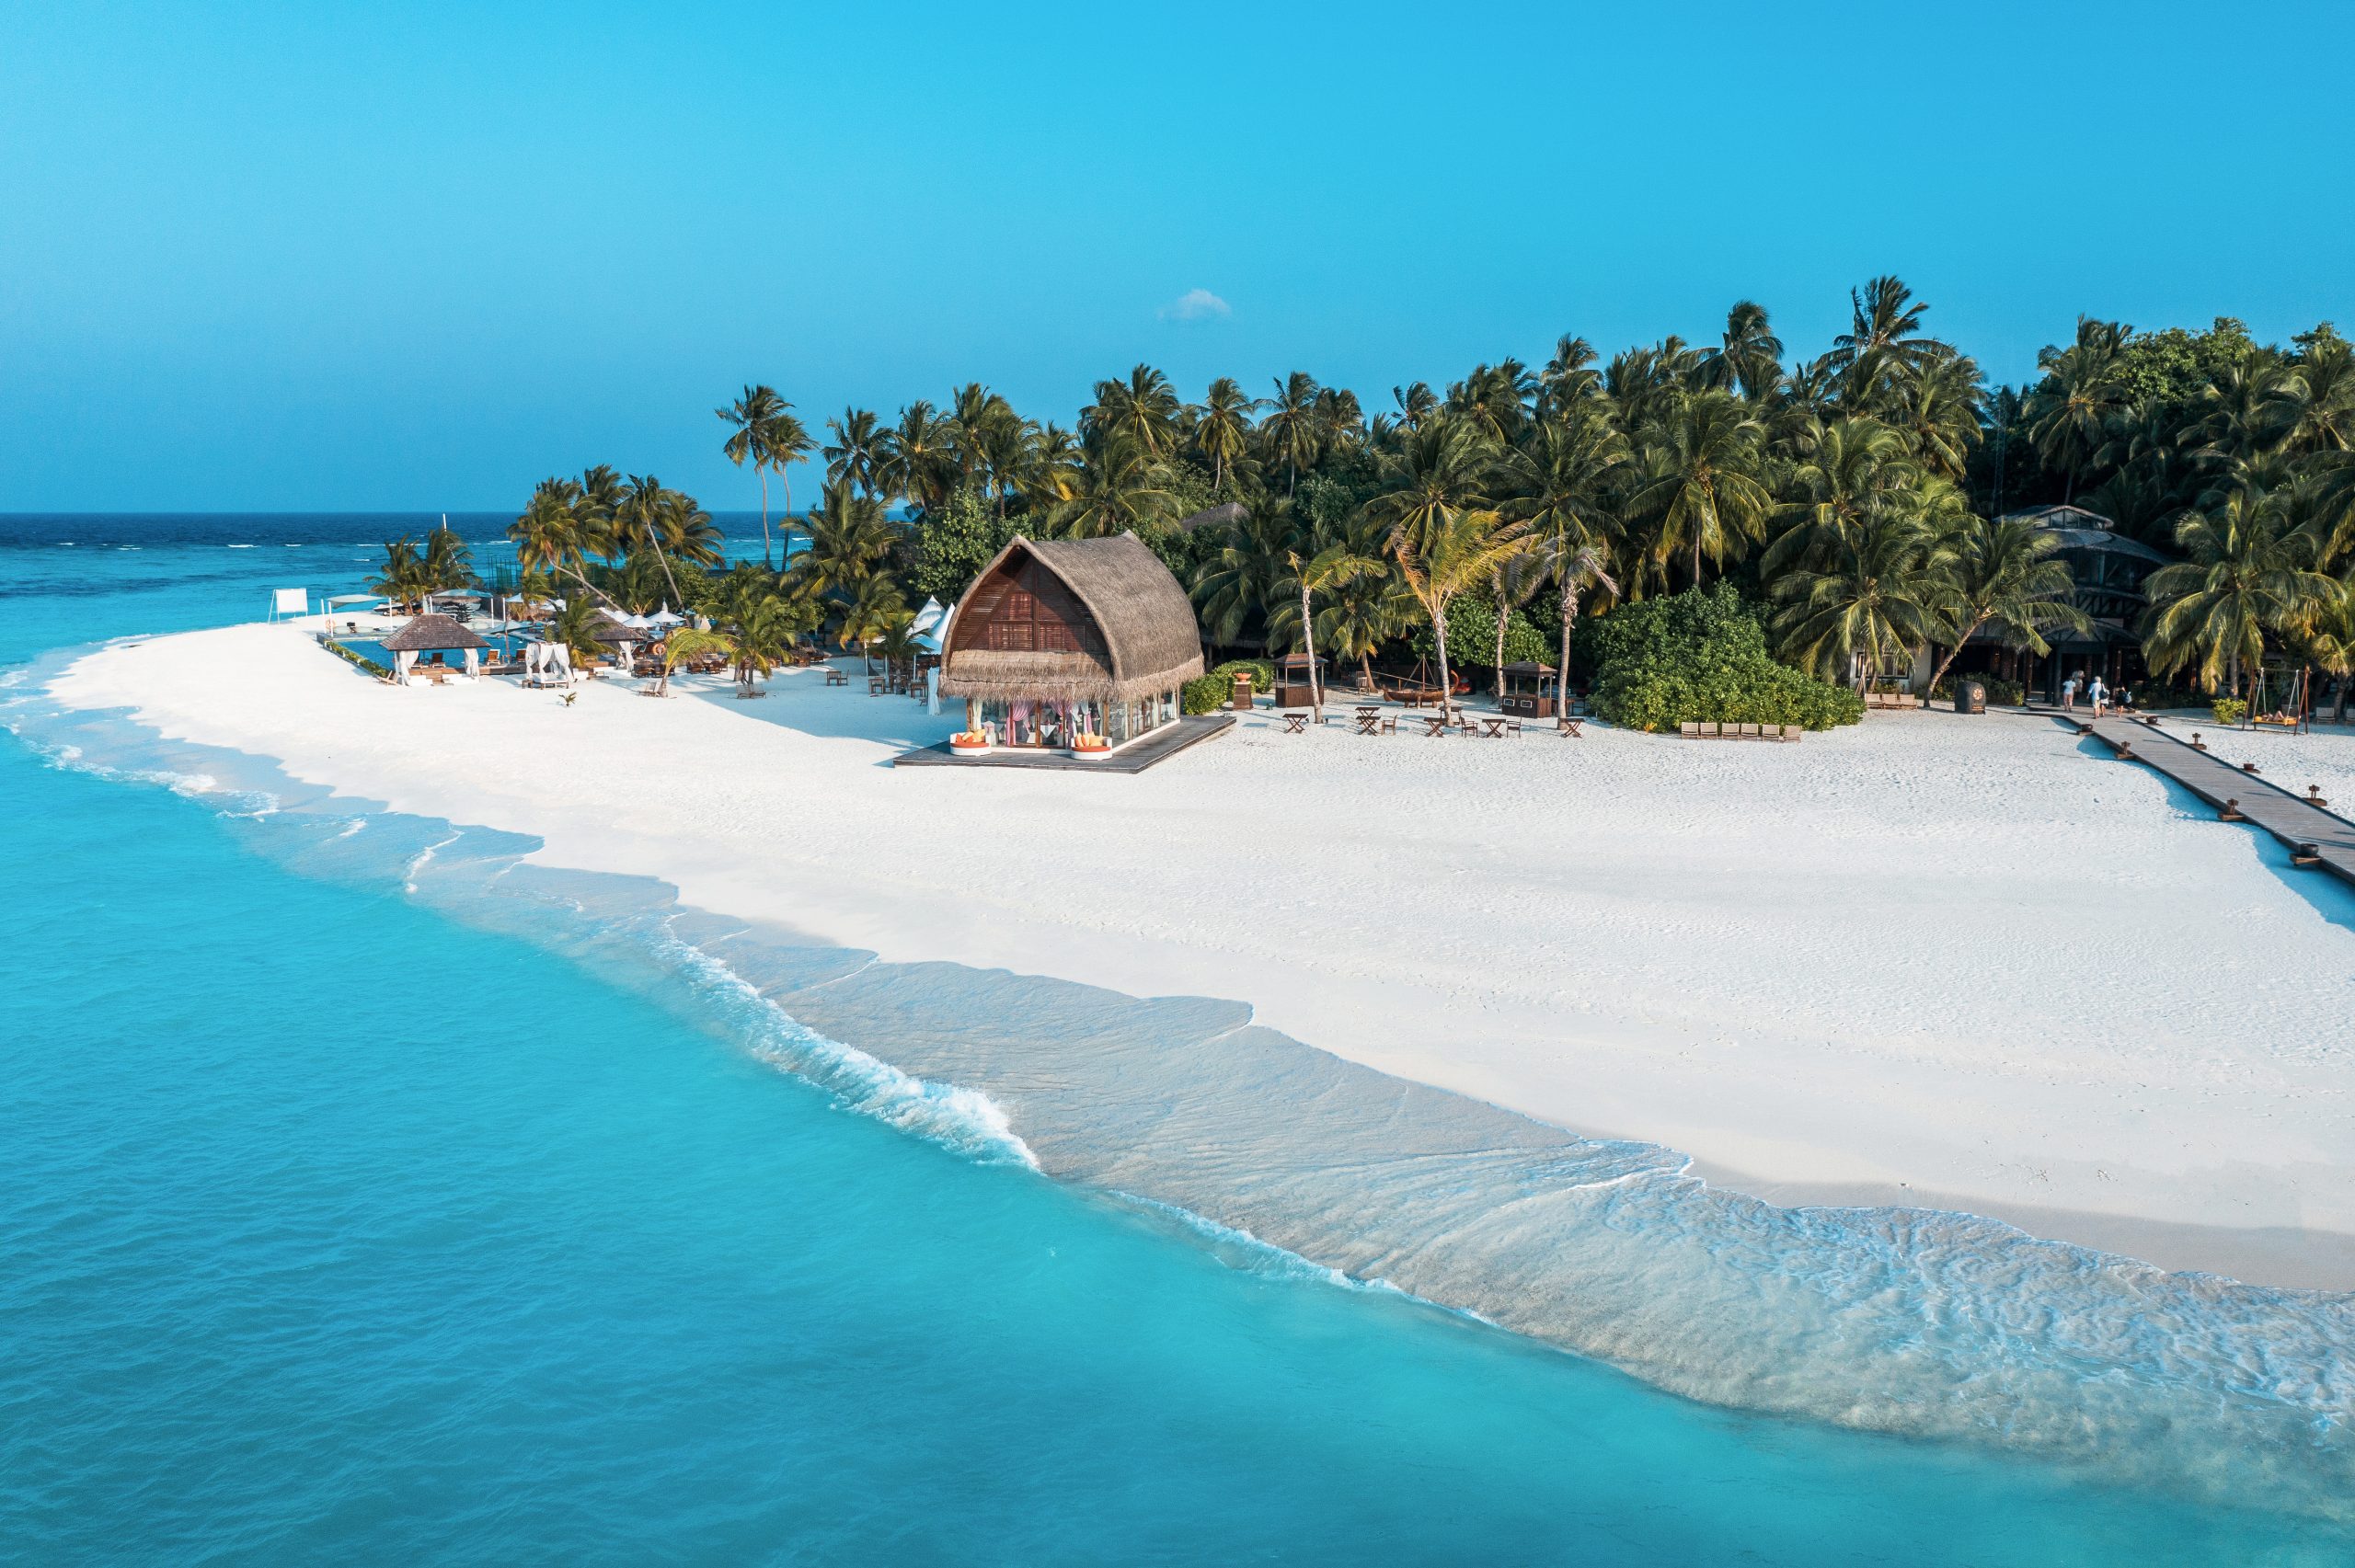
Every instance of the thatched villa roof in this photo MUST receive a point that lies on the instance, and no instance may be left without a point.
(432, 633)
(1141, 620)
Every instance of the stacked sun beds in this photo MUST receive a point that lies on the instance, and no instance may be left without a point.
(1710, 730)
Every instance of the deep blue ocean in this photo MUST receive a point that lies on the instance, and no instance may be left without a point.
(335, 1228)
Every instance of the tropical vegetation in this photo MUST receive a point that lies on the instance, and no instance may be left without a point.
(1859, 507)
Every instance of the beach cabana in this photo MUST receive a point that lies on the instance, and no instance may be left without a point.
(1061, 639)
(436, 635)
(1292, 687)
(1532, 690)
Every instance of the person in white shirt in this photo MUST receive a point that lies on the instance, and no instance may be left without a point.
(2069, 694)
(2096, 693)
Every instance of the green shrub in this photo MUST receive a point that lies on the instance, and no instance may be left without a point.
(362, 660)
(1208, 693)
(1700, 656)
(2229, 710)
(1472, 636)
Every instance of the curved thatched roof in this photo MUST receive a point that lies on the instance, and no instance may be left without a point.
(1141, 616)
(432, 633)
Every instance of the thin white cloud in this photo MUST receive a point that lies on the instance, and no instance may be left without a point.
(1196, 304)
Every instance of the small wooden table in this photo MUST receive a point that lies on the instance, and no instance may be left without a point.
(1368, 720)
(1571, 727)
(1434, 727)
(1495, 727)
(1295, 724)
(837, 677)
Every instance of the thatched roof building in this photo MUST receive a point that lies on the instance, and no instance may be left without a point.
(432, 633)
(1098, 619)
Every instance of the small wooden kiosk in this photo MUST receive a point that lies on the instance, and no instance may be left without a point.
(1292, 688)
(1532, 690)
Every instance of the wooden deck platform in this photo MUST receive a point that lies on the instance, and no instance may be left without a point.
(2315, 837)
(1158, 747)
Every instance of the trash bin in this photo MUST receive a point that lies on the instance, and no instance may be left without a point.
(1970, 697)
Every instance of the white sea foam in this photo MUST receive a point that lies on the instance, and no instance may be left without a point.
(963, 1120)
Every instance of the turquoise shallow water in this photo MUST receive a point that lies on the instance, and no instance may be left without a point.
(335, 1228)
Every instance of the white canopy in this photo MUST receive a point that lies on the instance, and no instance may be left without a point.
(930, 622)
(663, 617)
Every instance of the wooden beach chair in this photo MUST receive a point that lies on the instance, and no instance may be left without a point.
(1751, 732)
(1690, 729)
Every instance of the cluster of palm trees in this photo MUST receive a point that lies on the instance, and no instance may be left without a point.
(1842, 478)
(1858, 497)
(2237, 455)
(412, 576)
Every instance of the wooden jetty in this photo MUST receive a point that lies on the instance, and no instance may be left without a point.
(1134, 757)
(2316, 837)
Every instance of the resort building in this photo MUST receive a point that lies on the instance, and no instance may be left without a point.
(1058, 643)
(2108, 568)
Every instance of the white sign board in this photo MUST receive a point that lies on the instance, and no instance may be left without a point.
(290, 601)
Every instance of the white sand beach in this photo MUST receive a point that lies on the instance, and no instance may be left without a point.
(1963, 962)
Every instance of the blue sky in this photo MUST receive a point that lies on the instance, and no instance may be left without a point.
(349, 256)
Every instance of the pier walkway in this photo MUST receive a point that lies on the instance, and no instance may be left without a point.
(2316, 837)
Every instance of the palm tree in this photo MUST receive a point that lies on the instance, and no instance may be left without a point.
(554, 536)
(1876, 596)
(1222, 428)
(403, 577)
(646, 515)
(575, 627)
(1857, 468)
(1561, 478)
(1443, 556)
(1883, 347)
(1495, 399)
(1119, 489)
(850, 538)
(2003, 577)
(1290, 428)
(1244, 583)
(857, 451)
(2250, 408)
(1569, 378)
(2069, 412)
(755, 635)
(1439, 471)
(917, 462)
(1361, 614)
(874, 610)
(2245, 573)
(1340, 421)
(1310, 570)
(446, 563)
(1048, 476)
(1142, 410)
(763, 432)
(1703, 488)
(1750, 362)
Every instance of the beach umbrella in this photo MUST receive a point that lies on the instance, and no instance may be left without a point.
(663, 617)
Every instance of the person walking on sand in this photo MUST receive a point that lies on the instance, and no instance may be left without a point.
(2096, 694)
(2069, 695)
